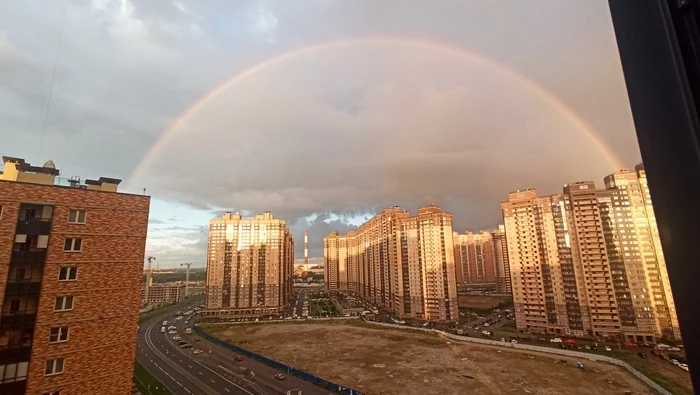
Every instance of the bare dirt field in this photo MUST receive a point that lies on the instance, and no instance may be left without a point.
(378, 360)
(481, 301)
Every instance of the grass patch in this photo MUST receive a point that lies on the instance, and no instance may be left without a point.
(146, 383)
(658, 377)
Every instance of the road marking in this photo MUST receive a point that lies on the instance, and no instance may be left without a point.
(212, 381)
(178, 383)
(181, 360)
(200, 373)
(189, 366)
(227, 390)
(188, 391)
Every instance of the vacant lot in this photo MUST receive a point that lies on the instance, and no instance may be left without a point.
(379, 360)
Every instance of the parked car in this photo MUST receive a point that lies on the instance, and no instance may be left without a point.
(195, 352)
(555, 340)
(186, 346)
(683, 366)
(642, 355)
(587, 347)
(607, 348)
(238, 358)
(630, 344)
(279, 376)
(675, 362)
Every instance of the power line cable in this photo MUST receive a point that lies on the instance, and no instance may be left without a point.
(53, 78)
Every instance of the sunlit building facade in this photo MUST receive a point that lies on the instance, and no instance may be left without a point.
(589, 261)
(250, 263)
(403, 263)
(474, 258)
(500, 260)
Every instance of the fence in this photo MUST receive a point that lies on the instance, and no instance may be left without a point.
(278, 365)
(575, 354)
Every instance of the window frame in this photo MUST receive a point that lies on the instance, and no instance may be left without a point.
(72, 245)
(58, 334)
(54, 362)
(68, 271)
(77, 216)
(63, 304)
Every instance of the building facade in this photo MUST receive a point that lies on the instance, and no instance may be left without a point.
(72, 261)
(163, 293)
(589, 261)
(403, 263)
(500, 260)
(250, 263)
(474, 258)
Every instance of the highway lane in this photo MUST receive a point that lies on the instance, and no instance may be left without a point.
(180, 375)
(219, 358)
(183, 362)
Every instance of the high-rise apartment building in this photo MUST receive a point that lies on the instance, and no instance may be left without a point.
(72, 264)
(589, 261)
(403, 264)
(250, 263)
(500, 260)
(474, 258)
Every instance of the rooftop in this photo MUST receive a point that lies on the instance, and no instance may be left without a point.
(18, 170)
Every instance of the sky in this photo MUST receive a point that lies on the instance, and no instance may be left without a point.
(323, 112)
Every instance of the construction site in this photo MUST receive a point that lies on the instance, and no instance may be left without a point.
(380, 360)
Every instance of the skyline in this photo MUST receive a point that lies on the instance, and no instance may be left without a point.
(128, 72)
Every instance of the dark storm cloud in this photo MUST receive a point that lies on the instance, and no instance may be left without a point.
(339, 133)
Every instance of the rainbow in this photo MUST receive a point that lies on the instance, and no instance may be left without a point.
(579, 123)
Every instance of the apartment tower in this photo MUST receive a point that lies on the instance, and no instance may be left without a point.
(474, 258)
(249, 266)
(589, 262)
(500, 260)
(404, 264)
(72, 261)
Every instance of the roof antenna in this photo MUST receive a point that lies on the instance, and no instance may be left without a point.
(144, 191)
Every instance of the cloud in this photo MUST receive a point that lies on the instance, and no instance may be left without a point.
(338, 133)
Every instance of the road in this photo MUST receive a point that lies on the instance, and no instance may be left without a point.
(212, 372)
(299, 305)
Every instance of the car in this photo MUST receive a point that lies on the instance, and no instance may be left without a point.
(513, 341)
(172, 332)
(675, 362)
(196, 339)
(630, 344)
(587, 347)
(172, 328)
(238, 358)
(186, 346)
(195, 352)
(503, 339)
(176, 338)
(683, 366)
(674, 349)
(555, 340)
(642, 355)
(187, 321)
(607, 348)
(279, 376)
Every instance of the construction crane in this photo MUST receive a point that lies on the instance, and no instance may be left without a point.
(187, 279)
(148, 275)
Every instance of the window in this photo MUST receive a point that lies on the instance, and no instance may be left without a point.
(53, 366)
(76, 217)
(52, 393)
(73, 244)
(63, 303)
(14, 306)
(0, 210)
(13, 372)
(58, 335)
(68, 273)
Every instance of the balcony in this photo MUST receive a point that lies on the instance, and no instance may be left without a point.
(19, 320)
(34, 226)
(23, 289)
(29, 257)
(15, 353)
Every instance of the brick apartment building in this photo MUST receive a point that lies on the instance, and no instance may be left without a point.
(71, 260)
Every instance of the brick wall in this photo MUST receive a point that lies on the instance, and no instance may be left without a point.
(103, 324)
